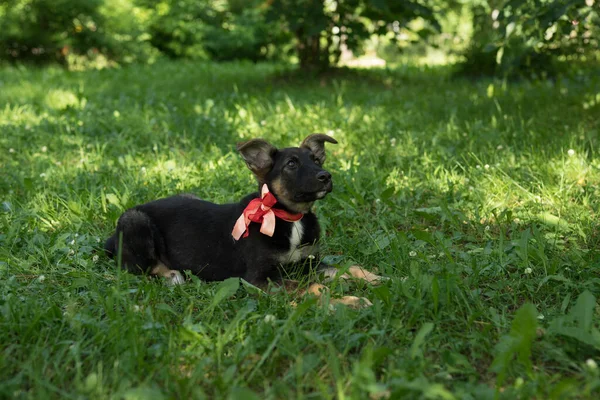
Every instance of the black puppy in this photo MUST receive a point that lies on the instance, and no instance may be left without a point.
(251, 239)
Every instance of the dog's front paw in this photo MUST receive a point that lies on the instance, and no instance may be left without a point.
(174, 278)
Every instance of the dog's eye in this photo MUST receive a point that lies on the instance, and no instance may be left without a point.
(291, 164)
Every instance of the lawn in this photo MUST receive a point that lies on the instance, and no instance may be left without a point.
(479, 200)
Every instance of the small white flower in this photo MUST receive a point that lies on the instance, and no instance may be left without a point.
(43, 175)
(95, 258)
(412, 253)
(11, 150)
(478, 166)
(72, 242)
(263, 122)
(591, 363)
(571, 152)
(143, 170)
(71, 252)
(403, 279)
(486, 166)
(311, 257)
(499, 147)
(269, 319)
(41, 278)
(487, 228)
(528, 270)
(97, 240)
(77, 235)
(541, 316)
(393, 142)
(44, 149)
(136, 308)
(330, 132)
(377, 201)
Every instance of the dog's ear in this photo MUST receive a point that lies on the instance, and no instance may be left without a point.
(316, 144)
(258, 154)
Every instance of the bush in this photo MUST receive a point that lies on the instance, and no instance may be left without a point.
(60, 30)
(529, 38)
(214, 29)
(246, 34)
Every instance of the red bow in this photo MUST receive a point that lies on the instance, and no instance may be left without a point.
(260, 211)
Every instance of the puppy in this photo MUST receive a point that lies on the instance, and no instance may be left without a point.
(256, 239)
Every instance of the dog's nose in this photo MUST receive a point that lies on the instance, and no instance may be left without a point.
(324, 176)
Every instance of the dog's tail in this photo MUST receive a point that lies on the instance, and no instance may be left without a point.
(110, 246)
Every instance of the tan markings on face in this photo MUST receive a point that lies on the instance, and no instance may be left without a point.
(173, 277)
(280, 191)
(285, 198)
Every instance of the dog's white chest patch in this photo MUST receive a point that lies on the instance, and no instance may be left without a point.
(294, 254)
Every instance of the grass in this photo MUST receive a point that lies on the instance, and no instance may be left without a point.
(479, 199)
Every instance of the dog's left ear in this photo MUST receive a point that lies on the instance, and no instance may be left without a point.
(258, 154)
(316, 144)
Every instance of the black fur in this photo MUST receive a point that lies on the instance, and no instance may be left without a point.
(186, 233)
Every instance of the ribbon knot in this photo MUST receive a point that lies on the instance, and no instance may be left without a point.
(261, 212)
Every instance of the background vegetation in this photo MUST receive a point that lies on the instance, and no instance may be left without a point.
(479, 198)
(491, 37)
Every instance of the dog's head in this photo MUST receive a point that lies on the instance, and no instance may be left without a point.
(294, 175)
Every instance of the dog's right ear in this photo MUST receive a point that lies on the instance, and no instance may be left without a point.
(258, 154)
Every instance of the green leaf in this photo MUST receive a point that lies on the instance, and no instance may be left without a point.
(225, 289)
(578, 324)
(387, 193)
(380, 242)
(490, 90)
(113, 199)
(424, 236)
(415, 348)
(143, 393)
(383, 293)
(517, 343)
(553, 220)
(241, 393)
(558, 278)
(583, 311)
(165, 307)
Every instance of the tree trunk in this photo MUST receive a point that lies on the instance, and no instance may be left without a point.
(310, 53)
